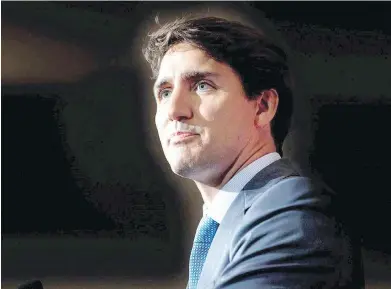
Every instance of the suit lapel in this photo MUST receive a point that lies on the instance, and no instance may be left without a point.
(266, 178)
(218, 255)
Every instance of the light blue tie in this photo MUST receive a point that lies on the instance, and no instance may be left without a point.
(205, 232)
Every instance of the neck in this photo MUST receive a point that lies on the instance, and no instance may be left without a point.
(209, 190)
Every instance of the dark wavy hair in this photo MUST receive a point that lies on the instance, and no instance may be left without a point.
(260, 64)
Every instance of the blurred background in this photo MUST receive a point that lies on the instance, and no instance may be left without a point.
(88, 200)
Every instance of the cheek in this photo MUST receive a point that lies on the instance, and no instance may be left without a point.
(213, 110)
(160, 116)
(228, 119)
(220, 118)
(224, 111)
(159, 122)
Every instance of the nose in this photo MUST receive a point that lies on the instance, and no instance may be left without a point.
(179, 106)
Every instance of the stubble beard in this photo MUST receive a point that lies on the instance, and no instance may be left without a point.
(203, 166)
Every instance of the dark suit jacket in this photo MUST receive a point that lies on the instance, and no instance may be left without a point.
(283, 231)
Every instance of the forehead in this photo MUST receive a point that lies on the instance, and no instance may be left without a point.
(185, 57)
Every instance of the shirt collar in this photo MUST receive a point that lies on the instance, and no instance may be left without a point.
(231, 189)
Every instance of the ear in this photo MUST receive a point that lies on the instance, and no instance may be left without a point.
(267, 104)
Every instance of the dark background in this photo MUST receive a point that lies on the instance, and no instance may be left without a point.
(81, 193)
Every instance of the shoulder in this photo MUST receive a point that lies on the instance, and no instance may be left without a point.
(291, 226)
(290, 234)
(296, 212)
(294, 192)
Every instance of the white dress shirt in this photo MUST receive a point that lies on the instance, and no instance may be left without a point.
(227, 194)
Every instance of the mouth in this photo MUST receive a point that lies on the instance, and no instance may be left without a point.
(181, 137)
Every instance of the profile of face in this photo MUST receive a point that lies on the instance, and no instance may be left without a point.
(203, 117)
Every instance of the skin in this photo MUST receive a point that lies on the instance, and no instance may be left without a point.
(228, 131)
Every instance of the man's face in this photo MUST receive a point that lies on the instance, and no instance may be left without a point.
(203, 117)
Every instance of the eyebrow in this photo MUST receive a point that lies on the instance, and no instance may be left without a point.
(190, 76)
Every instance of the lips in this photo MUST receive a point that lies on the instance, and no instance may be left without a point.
(180, 136)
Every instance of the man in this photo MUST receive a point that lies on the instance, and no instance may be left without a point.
(224, 105)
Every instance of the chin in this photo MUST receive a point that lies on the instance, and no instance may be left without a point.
(182, 170)
(191, 171)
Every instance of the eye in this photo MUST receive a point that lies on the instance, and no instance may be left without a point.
(164, 93)
(203, 86)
